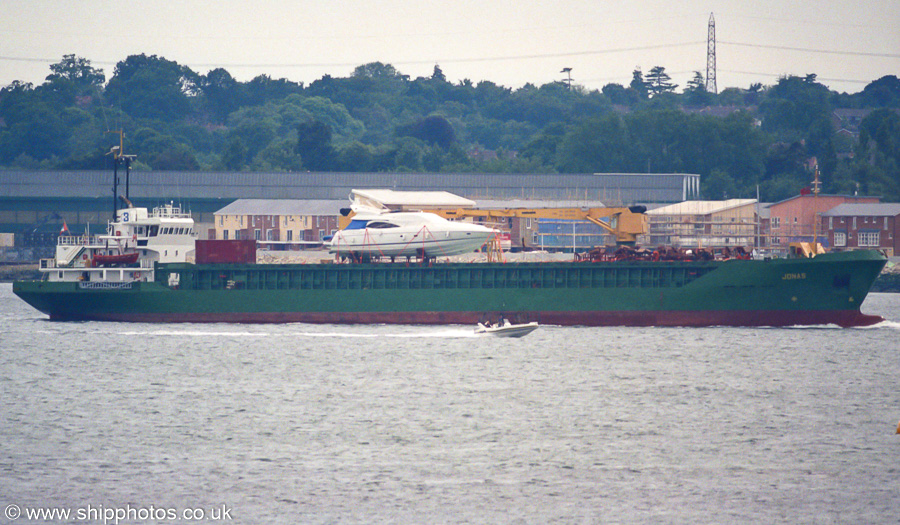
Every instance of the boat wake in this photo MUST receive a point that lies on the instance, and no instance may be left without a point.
(447, 333)
(410, 335)
(889, 325)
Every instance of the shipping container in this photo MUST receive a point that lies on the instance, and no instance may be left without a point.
(225, 251)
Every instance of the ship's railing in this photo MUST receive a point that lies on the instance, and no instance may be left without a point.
(169, 211)
(77, 240)
(50, 264)
(101, 285)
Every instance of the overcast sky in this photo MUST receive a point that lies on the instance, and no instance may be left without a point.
(846, 43)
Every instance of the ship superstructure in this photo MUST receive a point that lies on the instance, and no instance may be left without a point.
(129, 249)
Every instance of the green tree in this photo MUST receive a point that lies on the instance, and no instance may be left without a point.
(882, 93)
(718, 185)
(255, 126)
(638, 85)
(33, 128)
(73, 77)
(793, 104)
(658, 81)
(234, 157)
(152, 87)
(433, 129)
(343, 126)
(314, 146)
(619, 95)
(263, 89)
(695, 92)
(221, 93)
(543, 146)
(279, 155)
(878, 155)
(76, 70)
(594, 146)
(410, 154)
(358, 157)
(174, 157)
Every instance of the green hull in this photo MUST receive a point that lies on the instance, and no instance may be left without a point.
(826, 289)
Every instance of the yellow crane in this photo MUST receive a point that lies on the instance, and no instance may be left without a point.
(624, 223)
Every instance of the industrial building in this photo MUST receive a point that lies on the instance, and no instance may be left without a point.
(35, 205)
(709, 224)
(42, 200)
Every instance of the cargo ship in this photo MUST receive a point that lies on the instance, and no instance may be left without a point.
(162, 286)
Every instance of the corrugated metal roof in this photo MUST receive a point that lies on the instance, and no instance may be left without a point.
(700, 207)
(626, 188)
(282, 207)
(882, 209)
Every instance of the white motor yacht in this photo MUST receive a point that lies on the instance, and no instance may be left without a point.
(376, 233)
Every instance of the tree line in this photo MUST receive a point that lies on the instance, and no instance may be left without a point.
(380, 120)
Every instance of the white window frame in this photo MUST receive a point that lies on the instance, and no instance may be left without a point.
(868, 239)
(840, 238)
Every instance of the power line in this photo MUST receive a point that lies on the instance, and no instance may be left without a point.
(778, 75)
(809, 50)
(808, 22)
(411, 62)
(500, 58)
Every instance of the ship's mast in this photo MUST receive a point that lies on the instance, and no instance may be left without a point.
(815, 189)
(118, 153)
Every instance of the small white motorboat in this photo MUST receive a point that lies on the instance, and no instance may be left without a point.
(507, 329)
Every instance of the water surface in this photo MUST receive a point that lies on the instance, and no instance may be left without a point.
(408, 424)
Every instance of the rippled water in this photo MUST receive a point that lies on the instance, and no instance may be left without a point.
(373, 424)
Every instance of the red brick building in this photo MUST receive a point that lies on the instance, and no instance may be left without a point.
(859, 226)
(792, 220)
